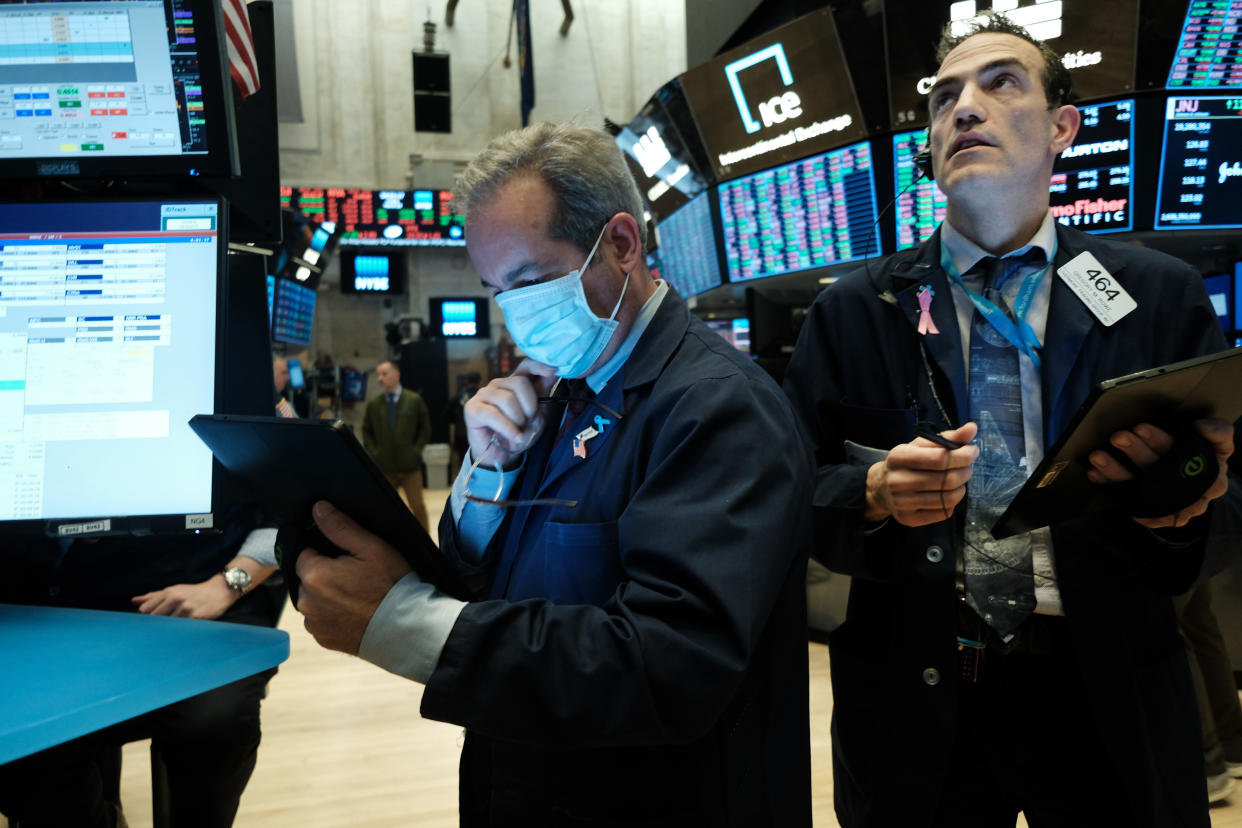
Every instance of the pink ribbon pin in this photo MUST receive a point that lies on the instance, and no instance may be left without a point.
(926, 325)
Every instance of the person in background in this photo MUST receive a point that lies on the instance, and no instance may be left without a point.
(1216, 690)
(637, 652)
(208, 743)
(976, 678)
(395, 428)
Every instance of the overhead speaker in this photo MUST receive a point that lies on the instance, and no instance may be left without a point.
(433, 97)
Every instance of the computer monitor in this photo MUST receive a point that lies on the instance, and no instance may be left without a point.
(734, 331)
(109, 315)
(689, 251)
(460, 316)
(381, 218)
(297, 380)
(132, 88)
(271, 297)
(811, 213)
(294, 313)
(920, 205)
(1092, 181)
(1200, 172)
(1209, 49)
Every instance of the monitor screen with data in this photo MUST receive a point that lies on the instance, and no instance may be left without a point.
(689, 255)
(1092, 184)
(1209, 51)
(381, 218)
(124, 88)
(920, 205)
(1200, 169)
(293, 314)
(108, 317)
(812, 213)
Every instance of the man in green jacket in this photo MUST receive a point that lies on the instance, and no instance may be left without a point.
(396, 427)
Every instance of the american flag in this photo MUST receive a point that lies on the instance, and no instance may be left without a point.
(242, 63)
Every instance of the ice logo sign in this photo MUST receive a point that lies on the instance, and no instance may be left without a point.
(776, 109)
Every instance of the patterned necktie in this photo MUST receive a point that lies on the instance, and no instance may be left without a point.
(999, 583)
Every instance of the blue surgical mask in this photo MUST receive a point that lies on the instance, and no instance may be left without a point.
(553, 323)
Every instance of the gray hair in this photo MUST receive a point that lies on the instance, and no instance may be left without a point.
(583, 166)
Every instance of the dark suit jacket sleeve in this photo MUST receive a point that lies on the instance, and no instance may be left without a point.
(714, 527)
(368, 430)
(422, 429)
(839, 498)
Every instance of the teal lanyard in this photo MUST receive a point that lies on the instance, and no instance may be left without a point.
(1018, 333)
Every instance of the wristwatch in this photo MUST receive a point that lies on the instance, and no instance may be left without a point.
(237, 578)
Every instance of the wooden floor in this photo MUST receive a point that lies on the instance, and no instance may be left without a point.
(343, 744)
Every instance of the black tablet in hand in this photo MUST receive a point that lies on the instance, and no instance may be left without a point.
(1170, 397)
(287, 465)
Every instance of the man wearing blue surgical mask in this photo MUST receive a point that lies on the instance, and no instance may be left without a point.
(634, 515)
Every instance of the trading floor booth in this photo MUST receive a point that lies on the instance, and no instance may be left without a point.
(122, 315)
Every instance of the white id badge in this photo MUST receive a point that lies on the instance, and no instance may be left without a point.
(1096, 287)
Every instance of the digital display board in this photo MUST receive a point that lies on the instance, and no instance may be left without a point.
(784, 95)
(920, 207)
(373, 271)
(1201, 164)
(94, 87)
(1092, 181)
(1209, 52)
(381, 218)
(811, 213)
(665, 152)
(1095, 40)
(689, 257)
(293, 313)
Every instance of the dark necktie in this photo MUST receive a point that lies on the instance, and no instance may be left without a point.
(392, 410)
(578, 399)
(999, 583)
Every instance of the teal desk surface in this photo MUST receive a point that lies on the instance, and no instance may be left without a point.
(68, 672)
